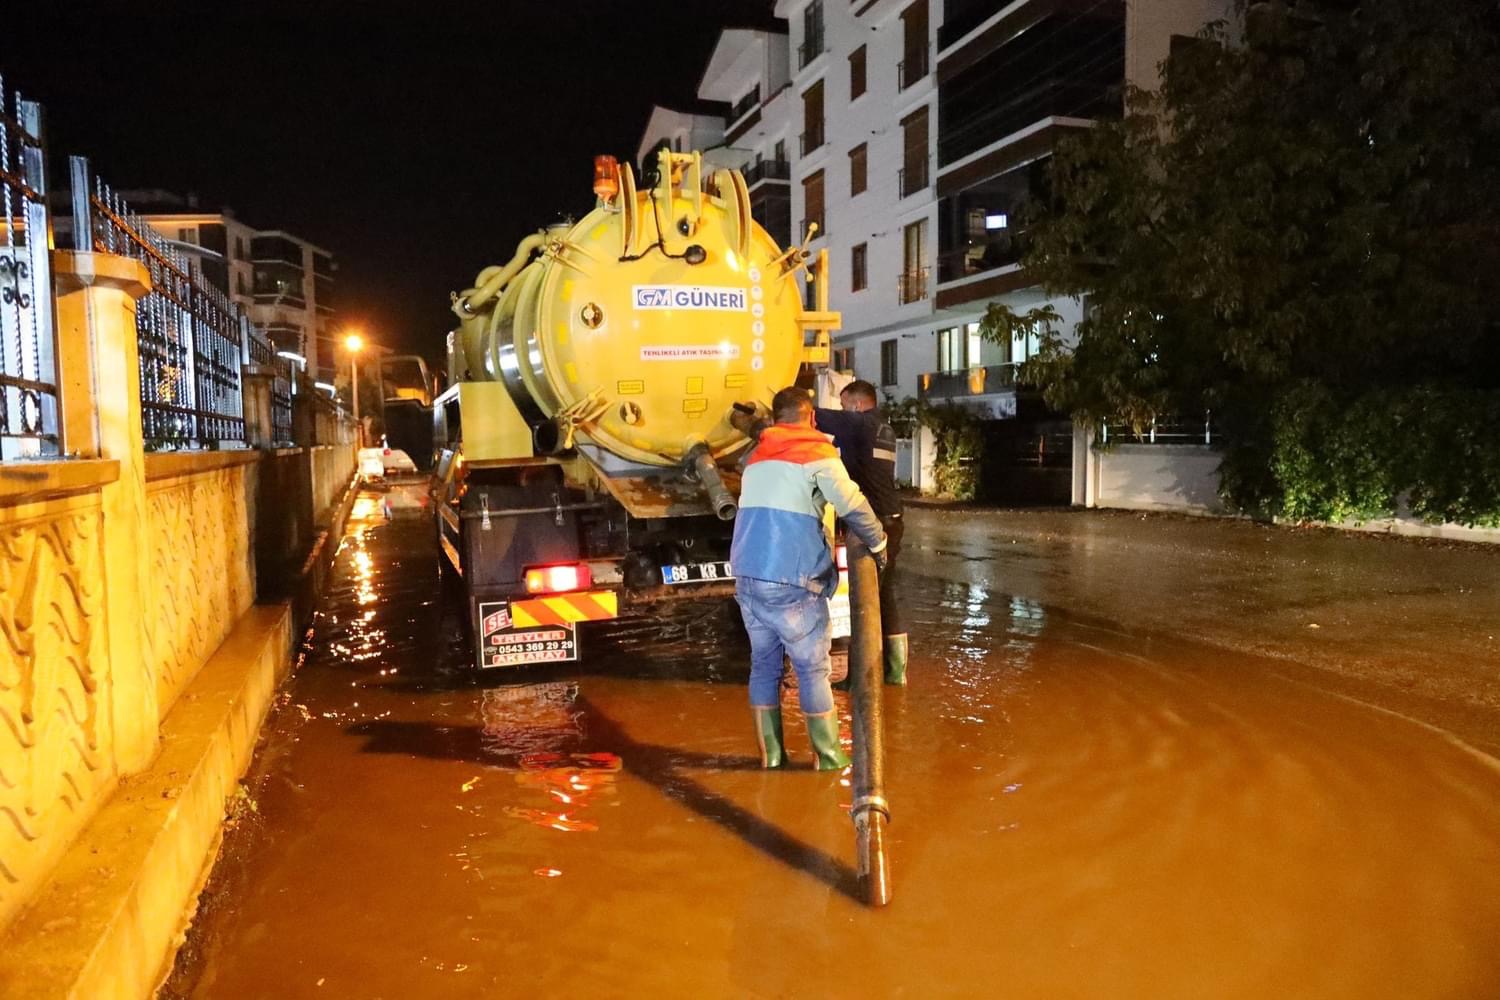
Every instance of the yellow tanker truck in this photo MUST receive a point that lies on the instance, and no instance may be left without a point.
(586, 465)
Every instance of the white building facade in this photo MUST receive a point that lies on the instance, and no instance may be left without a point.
(916, 134)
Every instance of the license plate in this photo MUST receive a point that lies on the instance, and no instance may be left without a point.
(704, 572)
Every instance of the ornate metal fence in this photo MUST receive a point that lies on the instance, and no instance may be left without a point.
(28, 360)
(261, 354)
(190, 334)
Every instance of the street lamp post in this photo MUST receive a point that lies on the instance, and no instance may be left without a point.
(354, 342)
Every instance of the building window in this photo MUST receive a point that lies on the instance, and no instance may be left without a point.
(239, 249)
(889, 373)
(812, 202)
(858, 180)
(914, 262)
(1036, 74)
(914, 62)
(186, 235)
(856, 72)
(859, 278)
(913, 175)
(843, 359)
(958, 348)
(812, 34)
(239, 284)
(983, 227)
(812, 118)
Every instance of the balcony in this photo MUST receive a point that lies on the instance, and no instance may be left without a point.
(961, 17)
(272, 298)
(744, 106)
(810, 49)
(768, 170)
(275, 250)
(914, 67)
(1002, 249)
(935, 386)
(812, 138)
(912, 286)
(912, 177)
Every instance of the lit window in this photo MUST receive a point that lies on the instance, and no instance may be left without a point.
(998, 220)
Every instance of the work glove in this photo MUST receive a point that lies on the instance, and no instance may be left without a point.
(743, 418)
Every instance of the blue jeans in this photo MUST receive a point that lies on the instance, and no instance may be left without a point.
(781, 617)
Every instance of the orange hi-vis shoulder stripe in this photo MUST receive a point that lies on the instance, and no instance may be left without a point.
(799, 445)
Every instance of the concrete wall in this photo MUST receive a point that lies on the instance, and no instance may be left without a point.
(1185, 479)
(57, 689)
(1153, 477)
(332, 469)
(200, 561)
(122, 575)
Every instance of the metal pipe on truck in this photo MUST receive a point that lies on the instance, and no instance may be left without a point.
(700, 463)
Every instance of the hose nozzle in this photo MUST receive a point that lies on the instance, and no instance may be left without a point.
(702, 467)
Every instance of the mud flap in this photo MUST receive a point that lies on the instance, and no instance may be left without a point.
(503, 643)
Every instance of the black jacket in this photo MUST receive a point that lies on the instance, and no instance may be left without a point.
(867, 446)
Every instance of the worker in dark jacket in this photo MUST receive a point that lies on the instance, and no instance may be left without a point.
(784, 571)
(867, 444)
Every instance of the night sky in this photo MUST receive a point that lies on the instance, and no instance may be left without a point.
(418, 147)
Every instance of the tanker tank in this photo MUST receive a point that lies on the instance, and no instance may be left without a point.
(631, 334)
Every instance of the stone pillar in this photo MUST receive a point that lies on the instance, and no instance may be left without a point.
(304, 413)
(96, 302)
(255, 389)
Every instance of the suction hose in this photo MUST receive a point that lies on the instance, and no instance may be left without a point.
(492, 279)
(871, 812)
(702, 467)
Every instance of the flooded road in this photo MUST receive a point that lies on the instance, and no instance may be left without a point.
(1082, 808)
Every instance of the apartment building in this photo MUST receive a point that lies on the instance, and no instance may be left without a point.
(913, 133)
(1013, 79)
(283, 282)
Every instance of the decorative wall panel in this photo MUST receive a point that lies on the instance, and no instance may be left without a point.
(199, 545)
(54, 716)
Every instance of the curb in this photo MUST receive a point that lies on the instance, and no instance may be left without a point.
(108, 921)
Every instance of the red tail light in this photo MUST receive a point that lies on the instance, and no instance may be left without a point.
(841, 555)
(558, 579)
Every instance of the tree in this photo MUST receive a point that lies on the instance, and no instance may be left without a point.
(1301, 225)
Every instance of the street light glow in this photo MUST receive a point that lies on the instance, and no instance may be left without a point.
(354, 342)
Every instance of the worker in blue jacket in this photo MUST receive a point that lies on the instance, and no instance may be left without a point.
(784, 571)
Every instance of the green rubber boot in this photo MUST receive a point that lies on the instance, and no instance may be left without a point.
(823, 731)
(768, 735)
(895, 659)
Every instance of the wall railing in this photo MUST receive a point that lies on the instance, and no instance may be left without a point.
(28, 338)
(192, 338)
(1166, 429)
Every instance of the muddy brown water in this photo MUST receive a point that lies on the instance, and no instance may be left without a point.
(1079, 811)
